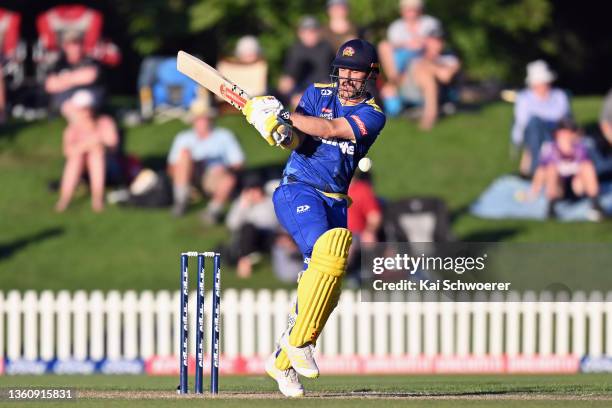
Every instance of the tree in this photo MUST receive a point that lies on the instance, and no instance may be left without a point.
(495, 38)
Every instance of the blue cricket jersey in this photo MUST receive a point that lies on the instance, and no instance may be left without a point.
(329, 164)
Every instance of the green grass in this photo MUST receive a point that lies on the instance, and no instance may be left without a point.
(137, 249)
(586, 390)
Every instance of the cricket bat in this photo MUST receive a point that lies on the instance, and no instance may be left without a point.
(211, 79)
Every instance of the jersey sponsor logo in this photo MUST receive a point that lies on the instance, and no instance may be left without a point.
(362, 127)
(302, 209)
(346, 147)
(326, 92)
(348, 52)
(327, 113)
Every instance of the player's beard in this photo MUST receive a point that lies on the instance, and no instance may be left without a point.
(349, 89)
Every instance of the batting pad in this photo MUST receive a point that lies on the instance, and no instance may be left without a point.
(319, 286)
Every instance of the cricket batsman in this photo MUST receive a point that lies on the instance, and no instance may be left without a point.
(333, 127)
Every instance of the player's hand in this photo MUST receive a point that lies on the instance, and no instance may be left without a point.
(283, 135)
(279, 128)
(262, 112)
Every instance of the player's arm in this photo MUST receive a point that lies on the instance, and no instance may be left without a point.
(324, 128)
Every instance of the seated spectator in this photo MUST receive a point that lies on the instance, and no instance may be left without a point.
(405, 42)
(9, 40)
(537, 111)
(429, 77)
(206, 156)
(253, 224)
(287, 260)
(88, 138)
(605, 119)
(72, 72)
(308, 61)
(2, 95)
(247, 67)
(565, 170)
(339, 28)
(600, 148)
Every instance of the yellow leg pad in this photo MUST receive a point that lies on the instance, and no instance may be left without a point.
(282, 361)
(319, 286)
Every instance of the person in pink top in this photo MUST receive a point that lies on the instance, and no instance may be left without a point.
(87, 138)
(565, 169)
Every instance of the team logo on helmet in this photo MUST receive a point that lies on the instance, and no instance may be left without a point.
(348, 52)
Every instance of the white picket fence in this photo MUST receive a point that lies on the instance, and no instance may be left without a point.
(133, 325)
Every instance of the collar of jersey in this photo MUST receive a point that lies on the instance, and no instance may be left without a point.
(350, 103)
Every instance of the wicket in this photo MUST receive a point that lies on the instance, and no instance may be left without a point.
(184, 331)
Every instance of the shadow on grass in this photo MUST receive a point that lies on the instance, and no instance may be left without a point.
(488, 235)
(11, 129)
(493, 235)
(371, 393)
(8, 249)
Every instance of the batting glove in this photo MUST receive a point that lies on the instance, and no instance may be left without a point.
(262, 112)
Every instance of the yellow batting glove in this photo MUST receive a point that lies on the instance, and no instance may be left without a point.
(261, 112)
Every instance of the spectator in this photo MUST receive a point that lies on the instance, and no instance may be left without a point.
(308, 61)
(253, 224)
(428, 79)
(9, 42)
(537, 111)
(206, 156)
(605, 119)
(73, 71)
(364, 217)
(2, 95)
(287, 260)
(87, 139)
(405, 42)
(339, 28)
(247, 67)
(565, 170)
(600, 145)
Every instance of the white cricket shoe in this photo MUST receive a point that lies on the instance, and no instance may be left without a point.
(301, 357)
(288, 382)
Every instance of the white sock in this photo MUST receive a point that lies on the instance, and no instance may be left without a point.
(181, 194)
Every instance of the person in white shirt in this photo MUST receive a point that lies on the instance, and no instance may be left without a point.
(405, 42)
(537, 111)
(206, 156)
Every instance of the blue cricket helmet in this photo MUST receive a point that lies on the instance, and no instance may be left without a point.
(357, 54)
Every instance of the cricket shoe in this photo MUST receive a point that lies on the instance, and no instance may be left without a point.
(301, 357)
(288, 382)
